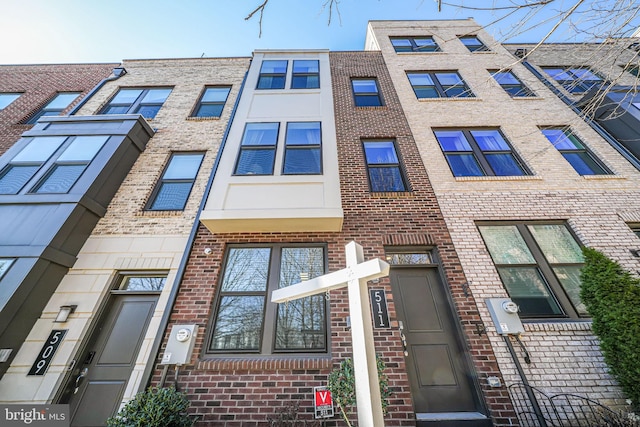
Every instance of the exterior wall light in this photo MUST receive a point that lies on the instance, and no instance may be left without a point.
(65, 311)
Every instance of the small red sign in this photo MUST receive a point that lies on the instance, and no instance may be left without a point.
(323, 402)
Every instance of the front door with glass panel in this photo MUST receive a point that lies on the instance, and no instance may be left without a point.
(95, 390)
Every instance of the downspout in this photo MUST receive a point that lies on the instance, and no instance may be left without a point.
(164, 321)
(117, 73)
(594, 125)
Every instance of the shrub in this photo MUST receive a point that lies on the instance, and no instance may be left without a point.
(612, 296)
(155, 407)
(342, 385)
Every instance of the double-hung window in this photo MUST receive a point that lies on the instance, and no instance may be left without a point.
(68, 167)
(366, 93)
(55, 107)
(258, 149)
(146, 102)
(245, 321)
(73, 157)
(511, 84)
(212, 101)
(414, 44)
(273, 74)
(439, 84)
(633, 69)
(473, 44)
(539, 265)
(383, 166)
(305, 74)
(575, 80)
(303, 149)
(172, 192)
(479, 152)
(575, 152)
(7, 98)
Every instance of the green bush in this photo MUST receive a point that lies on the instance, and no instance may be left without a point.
(155, 407)
(342, 385)
(612, 296)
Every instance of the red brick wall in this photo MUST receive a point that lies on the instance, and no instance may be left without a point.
(39, 84)
(246, 392)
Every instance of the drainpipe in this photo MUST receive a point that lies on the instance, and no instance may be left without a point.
(117, 73)
(594, 125)
(146, 375)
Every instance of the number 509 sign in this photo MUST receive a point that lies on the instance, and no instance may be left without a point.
(46, 354)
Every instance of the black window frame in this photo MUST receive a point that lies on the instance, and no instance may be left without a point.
(542, 265)
(583, 152)
(574, 84)
(153, 198)
(474, 47)
(136, 105)
(297, 76)
(440, 89)
(399, 165)
(415, 47)
(478, 154)
(257, 147)
(202, 103)
(290, 147)
(268, 331)
(46, 110)
(515, 90)
(367, 96)
(263, 74)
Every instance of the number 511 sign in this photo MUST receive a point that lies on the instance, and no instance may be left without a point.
(379, 310)
(43, 360)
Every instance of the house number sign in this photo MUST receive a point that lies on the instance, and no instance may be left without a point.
(379, 310)
(41, 364)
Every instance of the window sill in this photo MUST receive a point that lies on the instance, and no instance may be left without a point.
(203, 119)
(598, 177)
(444, 99)
(557, 326)
(374, 107)
(499, 178)
(262, 363)
(160, 213)
(392, 194)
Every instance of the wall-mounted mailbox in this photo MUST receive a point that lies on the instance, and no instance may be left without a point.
(180, 345)
(504, 314)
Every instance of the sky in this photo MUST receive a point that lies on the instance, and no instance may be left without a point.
(81, 31)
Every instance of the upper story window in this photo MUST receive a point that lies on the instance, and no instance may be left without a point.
(68, 157)
(305, 74)
(55, 107)
(539, 265)
(383, 166)
(258, 149)
(7, 98)
(366, 93)
(633, 69)
(273, 74)
(479, 152)
(414, 44)
(510, 83)
(146, 102)
(575, 80)
(439, 84)
(575, 152)
(303, 149)
(245, 321)
(473, 44)
(173, 189)
(212, 101)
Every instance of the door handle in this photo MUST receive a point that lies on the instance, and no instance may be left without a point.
(79, 378)
(403, 337)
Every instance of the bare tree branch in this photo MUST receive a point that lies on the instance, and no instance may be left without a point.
(261, 10)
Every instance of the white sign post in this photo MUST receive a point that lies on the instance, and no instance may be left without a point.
(355, 278)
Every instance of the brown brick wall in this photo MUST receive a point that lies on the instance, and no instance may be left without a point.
(232, 392)
(39, 84)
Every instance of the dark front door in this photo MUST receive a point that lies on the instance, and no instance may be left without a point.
(441, 381)
(106, 366)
